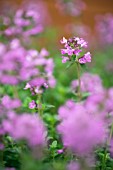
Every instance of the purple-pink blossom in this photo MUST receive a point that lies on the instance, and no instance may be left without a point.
(99, 99)
(81, 131)
(9, 103)
(104, 29)
(27, 21)
(19, 64)
(73, 48)
(72, 7)
(87, 85)
(26, 127)
(32, 104)
(85, 59)
(36, 85)
(60, 151)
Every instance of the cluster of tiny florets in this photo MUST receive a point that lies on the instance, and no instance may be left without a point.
(73, 50)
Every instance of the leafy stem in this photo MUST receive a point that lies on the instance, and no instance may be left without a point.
(106, 149)
(40, 109)
(79, 81)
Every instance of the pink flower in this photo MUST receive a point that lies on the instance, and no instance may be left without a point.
(81, 131)
(26, 127)
(85, 59)
(81, 42)
(46, 85)
(32, 104)
(9, 103)
(72, 7)
(87, 85)
(44, 53)
(64, 59)
(15, 43)
(19, 64)
(63, 40)
(72, 51)
(60, 151)
(28, 86)
(104, 29)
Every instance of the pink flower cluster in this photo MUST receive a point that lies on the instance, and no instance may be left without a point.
(21, 126)
(100, 99)
(86, 124)
(104, 28)
(8, 105)
(91, 83)
(81, 130)
(26, 127)
(18, 64)
(36, 86)
(72, 7)
(37, 9)
(32, 104)
(73, 50)
(25, 22)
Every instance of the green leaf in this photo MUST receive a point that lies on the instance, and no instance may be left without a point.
(48, 106)
(26, 102)
(69, 65)
(54, 144)
(85, 95)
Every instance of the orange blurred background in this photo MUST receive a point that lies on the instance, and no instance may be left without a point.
(59, 21)
(93, 7)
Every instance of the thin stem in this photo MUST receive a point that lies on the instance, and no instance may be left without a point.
(1, 153)
(40, 109)
(15, 92)
(83, 164)
(79, 81)
(107, 145)
(110, 135)
(1, 159)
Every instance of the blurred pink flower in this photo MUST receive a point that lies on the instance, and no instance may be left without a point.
(32, 104)
(87, 85)
(26, 127)
(104, 29)
(72, 7)
(81, 131)
(9, 103)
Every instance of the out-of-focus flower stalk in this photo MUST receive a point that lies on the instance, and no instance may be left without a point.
(40, 109)
(1, 152)
(107, 145)
(16, 95)
(79, 81)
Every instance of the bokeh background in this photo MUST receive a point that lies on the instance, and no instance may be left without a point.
(60, 21)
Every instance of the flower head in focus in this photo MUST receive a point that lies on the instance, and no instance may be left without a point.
(73, 50)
